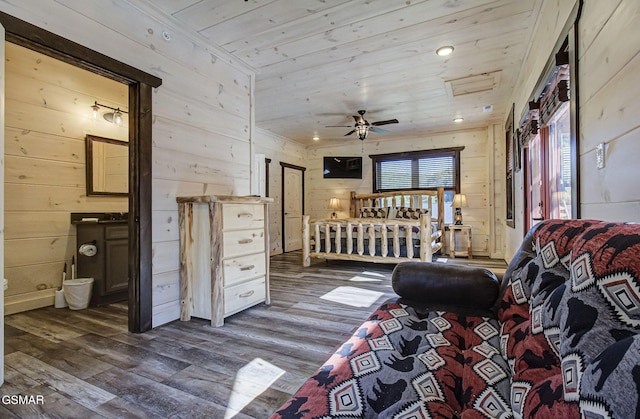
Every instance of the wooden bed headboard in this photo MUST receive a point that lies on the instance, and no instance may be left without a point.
(410, 198)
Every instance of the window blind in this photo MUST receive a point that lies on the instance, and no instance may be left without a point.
(395, 174)
(417, 170)
(436, 172)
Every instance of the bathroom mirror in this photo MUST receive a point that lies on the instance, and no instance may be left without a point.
(107, 166)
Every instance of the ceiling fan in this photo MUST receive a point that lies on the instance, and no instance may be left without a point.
(362, 126)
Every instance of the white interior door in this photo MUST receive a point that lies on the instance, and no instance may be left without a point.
(292, 205)
(2, 201)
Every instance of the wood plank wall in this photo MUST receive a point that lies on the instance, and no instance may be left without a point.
(203, 118)
(202, 112)
(476, 175)
(48, 114)
(609, 61)
(278, 149)
(497, 223)
(544, 36)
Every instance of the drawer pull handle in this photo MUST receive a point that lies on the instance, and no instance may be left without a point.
(245, 215)
(247, 294)
(245, 241)
(247, 267)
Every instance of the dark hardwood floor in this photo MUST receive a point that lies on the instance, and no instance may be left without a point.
(85, 364)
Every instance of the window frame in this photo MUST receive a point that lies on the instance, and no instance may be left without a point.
(566, 55)
(415, 156)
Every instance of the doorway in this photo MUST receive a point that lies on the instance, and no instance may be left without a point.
(292, 206)
(64, 162)
(140, 85)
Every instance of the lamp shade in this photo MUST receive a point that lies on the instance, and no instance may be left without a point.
(334, 204)
(459, 201)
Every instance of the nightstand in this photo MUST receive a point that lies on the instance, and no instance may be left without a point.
(461, 246)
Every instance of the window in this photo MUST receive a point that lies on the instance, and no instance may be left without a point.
(549, 186)
(550, 156)
(511, 167)
(560, 164)
(426, 169)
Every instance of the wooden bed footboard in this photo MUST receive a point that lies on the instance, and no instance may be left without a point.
(368, 240)
(381, 240)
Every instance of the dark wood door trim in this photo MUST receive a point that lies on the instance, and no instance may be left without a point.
(267, 163)
(140, 245)
(294, 167)
(48, 43)
(140, 99)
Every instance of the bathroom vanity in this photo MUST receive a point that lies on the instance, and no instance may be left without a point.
(102, 253)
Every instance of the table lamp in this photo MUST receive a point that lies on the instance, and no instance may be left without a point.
(334, 204)
(459, 202)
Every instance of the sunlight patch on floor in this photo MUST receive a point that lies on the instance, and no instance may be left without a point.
(251, 381)
(368, 277)
(352, 296)
(361, 278)
(374, 274)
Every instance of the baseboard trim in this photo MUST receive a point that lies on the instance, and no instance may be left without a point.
(29, 301)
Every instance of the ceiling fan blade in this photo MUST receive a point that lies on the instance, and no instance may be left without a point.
(338, 126)
(378, 130)
(390, 121)
(350, 132)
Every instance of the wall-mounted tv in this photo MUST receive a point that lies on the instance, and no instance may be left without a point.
(342, 167)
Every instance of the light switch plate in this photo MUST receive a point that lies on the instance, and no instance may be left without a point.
(600, 154)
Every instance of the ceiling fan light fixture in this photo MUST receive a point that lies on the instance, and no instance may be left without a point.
(362, 131)
(445, 50)
(362, 126)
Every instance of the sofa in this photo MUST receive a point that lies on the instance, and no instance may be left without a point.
(557, 337)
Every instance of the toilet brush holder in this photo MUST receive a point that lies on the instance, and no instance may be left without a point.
(60, 301)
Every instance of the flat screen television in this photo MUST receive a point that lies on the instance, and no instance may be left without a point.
(342, 167)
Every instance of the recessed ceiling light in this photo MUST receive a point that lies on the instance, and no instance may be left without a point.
(444, 51)
(458, 119)
(316, 138)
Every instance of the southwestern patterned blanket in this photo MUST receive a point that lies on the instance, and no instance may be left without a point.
(562, 340)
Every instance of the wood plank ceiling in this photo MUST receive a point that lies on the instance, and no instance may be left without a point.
(320, 61)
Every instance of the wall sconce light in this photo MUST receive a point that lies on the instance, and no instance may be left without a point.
(459, 202)
(114, 117)
(95, 108)
(334, 204)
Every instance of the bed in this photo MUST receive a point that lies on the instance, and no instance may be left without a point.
(387, 227)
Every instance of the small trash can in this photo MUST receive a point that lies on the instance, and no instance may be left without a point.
(77, 292)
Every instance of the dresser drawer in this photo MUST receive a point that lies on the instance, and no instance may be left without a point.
(240, 216)
(244, 295)
(243, 267)
(243, 242)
